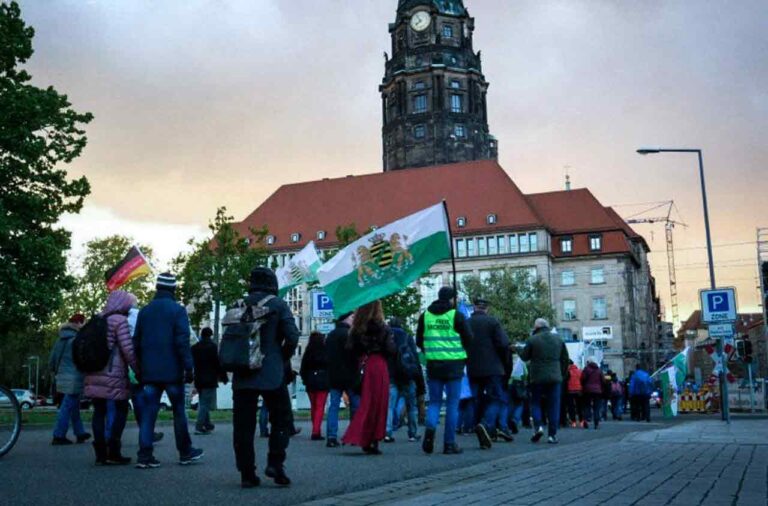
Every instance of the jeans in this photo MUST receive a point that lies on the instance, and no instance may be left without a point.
(246, 402)
(593, 405)
(137, 399)
(617, 403)
(552, 393)
(503, 422)
(69, 411)
(317, 402)
(152, 394)
(102, 426)
(407, 393)
(452, 393)
(332, 423)
(489, 397)
(206, 399)
(466, 422)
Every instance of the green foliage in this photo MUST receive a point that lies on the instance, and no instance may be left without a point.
(347, 234)
(404, 305)
(217, 270)
(516, 299)
(39, 132)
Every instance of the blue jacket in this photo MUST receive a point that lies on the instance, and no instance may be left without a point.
(640, 384)
(161, 341)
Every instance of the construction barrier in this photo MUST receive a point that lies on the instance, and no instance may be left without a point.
(703, 401)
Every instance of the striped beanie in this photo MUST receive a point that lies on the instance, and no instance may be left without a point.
(166, 281)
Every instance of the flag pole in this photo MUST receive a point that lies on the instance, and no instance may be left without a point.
(453, 255)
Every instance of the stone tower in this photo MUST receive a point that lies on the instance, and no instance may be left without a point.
(434, 91)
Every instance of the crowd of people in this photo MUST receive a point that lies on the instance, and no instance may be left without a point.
(489, 387)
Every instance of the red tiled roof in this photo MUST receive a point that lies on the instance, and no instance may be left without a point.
(472, 190)
(574, 211)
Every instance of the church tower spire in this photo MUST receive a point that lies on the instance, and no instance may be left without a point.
(434, 91)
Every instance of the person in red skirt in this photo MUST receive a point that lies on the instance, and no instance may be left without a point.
(371, 341)
(314, 374)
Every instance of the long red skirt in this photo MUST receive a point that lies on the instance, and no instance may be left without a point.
(369, 424)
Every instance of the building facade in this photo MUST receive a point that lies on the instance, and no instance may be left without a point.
(434, 106)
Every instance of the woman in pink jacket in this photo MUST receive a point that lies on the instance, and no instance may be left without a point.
(112, 382)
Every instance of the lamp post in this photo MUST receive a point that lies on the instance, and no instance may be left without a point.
(649, 151)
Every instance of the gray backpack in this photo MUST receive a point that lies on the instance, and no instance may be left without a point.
(240, 347)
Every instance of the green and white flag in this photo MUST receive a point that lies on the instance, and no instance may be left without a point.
(302, 268)
(386, 260)
(672, 381)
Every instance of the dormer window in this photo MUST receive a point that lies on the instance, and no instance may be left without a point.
(461, 222)
(566, 245)
(271, 239)
(295, 237)
(595, 242)
(321, 235)
(491, 219)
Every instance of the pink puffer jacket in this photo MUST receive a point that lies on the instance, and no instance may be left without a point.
(112, 382)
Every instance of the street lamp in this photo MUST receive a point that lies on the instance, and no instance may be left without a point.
(713, 284)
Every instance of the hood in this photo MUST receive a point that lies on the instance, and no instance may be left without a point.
(591, 366)
(119, 301)
(440, 307)
(263, 280)
(69, 330)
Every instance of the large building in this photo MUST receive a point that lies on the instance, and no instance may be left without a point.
(595, 265)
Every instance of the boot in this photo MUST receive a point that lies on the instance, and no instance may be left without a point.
(100, 448)
(114, 456)
(249, 479)
(277, 473)
(428, 445)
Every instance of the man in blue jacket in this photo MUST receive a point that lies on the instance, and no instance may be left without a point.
(161, 342)
(640, 389)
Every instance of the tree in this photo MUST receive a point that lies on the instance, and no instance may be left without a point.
(39, 131)
(515, 299)
(217, 270)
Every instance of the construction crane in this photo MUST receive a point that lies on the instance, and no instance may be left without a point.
(669, 227)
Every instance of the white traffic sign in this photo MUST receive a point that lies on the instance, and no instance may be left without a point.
(718, 330)
(718, 306)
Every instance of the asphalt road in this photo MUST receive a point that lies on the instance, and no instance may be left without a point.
(37, 473)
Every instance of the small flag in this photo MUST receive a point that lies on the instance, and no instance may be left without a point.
(302, 268)
(672, 380)
(386, 260)
(133, 265)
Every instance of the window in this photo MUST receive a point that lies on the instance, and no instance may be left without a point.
(502, 244)
(448, 31)
(461, 248)
(491, 219)
(514, 245)
(525, 245)
(457, 103)
(599, 309)
(471, 247)
(569, 310)
(419, 104)
(321, 235)
(534, 240)
(419, 131)
(492, 246)
(566, 245)
(456, 84)
(460, 131)
(419, 85)
(595, 243)
(461, 222)
(481, 247)
(598, 276)
(568, 278)
(296, 237)
(271, 240)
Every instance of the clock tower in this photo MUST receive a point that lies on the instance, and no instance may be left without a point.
(434, 91)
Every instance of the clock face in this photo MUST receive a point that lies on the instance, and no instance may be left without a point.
(421, 21)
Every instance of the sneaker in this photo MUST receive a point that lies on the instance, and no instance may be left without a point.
(278, 474)
(82, 438)
(514, 428)
(389, 439)
(483, 437)
(210, 427)
(250, 481)
(428, 445)
(157, 437)
(61, 441)
(552, 440)
(414, 439)
(332, 443)
(506, 436)
(150, 463)
(202, 432)
(537, 435)
(193, 456)
(452, 449)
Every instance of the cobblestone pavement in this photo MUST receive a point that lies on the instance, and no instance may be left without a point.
(701, 462)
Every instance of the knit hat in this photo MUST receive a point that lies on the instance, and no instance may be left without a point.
(77, 319)
(446, 293)
(166, 281)
(263, 280)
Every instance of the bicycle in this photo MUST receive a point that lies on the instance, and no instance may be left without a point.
(10, 420)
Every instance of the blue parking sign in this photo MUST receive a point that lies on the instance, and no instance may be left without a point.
(322, 305)
(718, 305)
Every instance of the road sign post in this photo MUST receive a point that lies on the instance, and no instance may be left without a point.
(718, 306)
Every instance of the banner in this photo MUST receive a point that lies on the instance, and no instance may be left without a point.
(302, 268)
(133, 265)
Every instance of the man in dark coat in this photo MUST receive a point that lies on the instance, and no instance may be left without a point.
(161, 341)
(208, 374)
(279, 338)
(444, 336)
(486, 364)
(343, 376)
(404, 370)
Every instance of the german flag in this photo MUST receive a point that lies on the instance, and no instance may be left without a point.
(132, 266)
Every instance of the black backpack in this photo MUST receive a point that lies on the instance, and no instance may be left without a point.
(408, 362)
(90, 348)
(240, 347)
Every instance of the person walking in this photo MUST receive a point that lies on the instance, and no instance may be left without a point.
(548, 358)
(208, 374)
(314, 374)
(69, 383)
(165, 365)
(279, 338)
(592, 386)
(640, 389)
(486, 360)
(574, 395)
(371, 341)
(343, 376)
(443, 334)
(617, 398)
(518, 393)
(404, 371)
(111, 383)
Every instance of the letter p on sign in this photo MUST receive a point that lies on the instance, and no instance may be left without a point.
(718, 305)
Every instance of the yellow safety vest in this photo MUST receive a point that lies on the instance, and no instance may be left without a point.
(441, 341)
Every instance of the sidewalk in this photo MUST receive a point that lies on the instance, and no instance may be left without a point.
(700, 462)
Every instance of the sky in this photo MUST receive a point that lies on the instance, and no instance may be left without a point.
(207, 103)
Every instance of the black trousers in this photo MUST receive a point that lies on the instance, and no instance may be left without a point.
(244, 420)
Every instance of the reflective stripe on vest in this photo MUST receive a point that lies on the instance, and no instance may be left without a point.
(441, 341)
